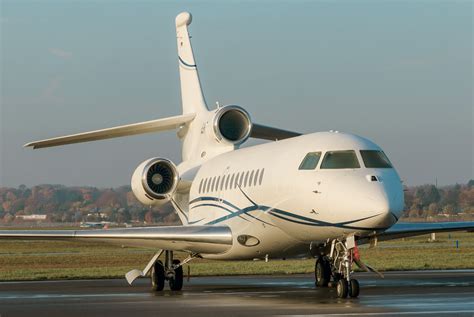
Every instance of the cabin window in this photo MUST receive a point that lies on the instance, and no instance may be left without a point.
(200, 185)
(256, 178)
(213, 184)
(222, 181)
(236, 183)
(375, 159)
(261, 177)
(227, 179)
(339, 160)
(251, 178)
(310, 161)
(241, 180)
(245, 179)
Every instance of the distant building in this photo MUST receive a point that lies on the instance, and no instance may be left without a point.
(33, 217)
(98, 215)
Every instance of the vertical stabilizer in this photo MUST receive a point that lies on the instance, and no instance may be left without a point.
(191, 93)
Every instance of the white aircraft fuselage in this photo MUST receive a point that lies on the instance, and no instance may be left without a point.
(279, 209)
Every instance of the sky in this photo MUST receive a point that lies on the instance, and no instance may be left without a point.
(397, 72)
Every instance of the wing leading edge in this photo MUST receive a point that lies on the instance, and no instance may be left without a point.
(195, 239)
(164, 124)
(410, 229)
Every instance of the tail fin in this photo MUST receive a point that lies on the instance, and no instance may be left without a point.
(191, 92)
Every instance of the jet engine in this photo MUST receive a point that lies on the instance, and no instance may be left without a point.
(232, 124)
(154, 181)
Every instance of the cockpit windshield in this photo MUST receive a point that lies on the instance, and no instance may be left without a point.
(340, 159)
(375, 159)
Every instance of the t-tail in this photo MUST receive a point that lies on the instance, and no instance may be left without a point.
(191, 93)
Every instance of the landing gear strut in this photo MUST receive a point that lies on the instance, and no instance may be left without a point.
(338, 265)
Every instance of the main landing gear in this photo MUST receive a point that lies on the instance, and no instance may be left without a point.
(171, 271)
(337, 264)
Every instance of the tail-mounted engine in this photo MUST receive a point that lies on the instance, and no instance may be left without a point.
(155, 181)
(232, 124)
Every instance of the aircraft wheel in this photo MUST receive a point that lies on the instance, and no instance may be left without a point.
(354, 288)
(176, 282)
(335, 278)
(157, 277)
(342, 288)
(322, 272)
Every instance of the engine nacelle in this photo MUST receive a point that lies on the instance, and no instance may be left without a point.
(232, 124)
(154, 181)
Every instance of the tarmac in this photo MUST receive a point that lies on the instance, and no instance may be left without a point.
(411, 293)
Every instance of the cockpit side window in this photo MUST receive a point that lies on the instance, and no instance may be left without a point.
(375, 159)
(340, 159)
(310, 161)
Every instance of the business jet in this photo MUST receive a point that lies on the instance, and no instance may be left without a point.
(315, 195)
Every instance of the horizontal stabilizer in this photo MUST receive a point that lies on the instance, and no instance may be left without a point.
(115, 132)
(268, 133)
(195, 239)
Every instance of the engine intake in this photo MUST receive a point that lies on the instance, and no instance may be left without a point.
(232, 124)
(154, 179)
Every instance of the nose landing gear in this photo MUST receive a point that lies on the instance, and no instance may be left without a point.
(322, 271)
(338, 265)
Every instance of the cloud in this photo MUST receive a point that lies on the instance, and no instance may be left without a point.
(60, 53)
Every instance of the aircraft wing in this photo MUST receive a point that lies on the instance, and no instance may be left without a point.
(410, 229)
(194, 239)
(115, 132)
(268, 133)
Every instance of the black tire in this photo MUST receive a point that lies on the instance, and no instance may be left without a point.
(342, 288)
(354, 288)
(322, 272)
(157, 277)
(176, 283)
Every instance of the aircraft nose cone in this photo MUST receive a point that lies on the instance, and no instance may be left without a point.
(382, 206)
(388, 204)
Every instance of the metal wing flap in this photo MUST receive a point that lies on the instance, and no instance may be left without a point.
(409, 229)
(195, 239)
(115, 132)
(268, 133)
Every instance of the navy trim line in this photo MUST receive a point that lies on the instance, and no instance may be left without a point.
(184, 63)
(278, 213)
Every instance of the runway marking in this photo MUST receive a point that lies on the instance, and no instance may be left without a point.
(415, 299)
(388, 313)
